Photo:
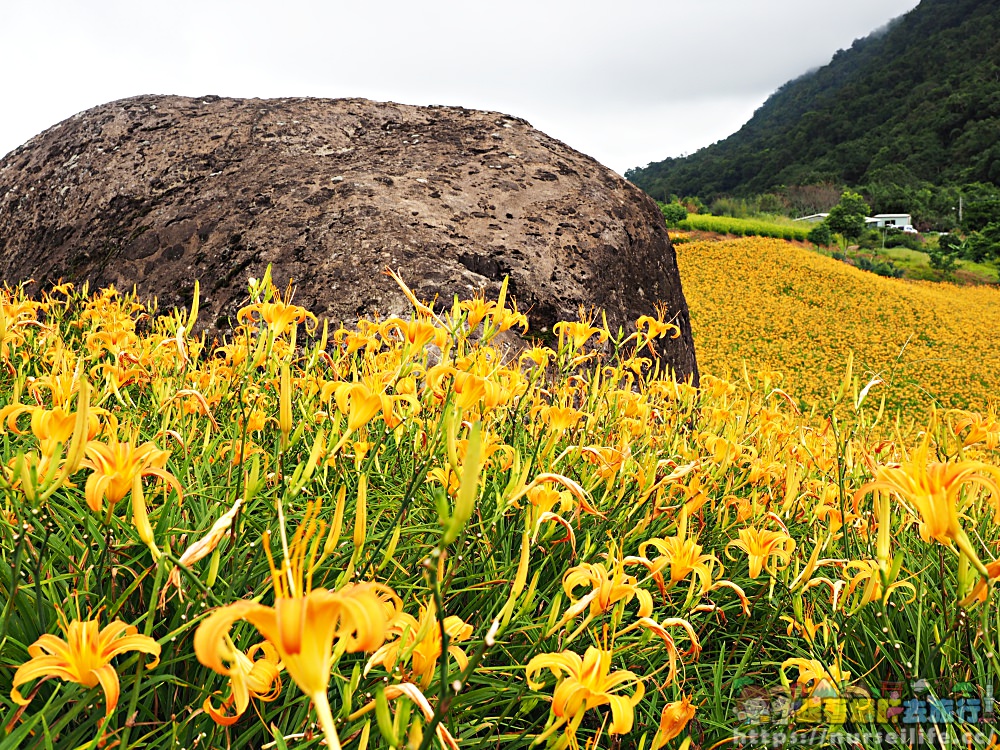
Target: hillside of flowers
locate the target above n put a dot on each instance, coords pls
(776, 305)
(407, 534)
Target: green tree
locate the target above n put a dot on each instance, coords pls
(673, 213)
(983, 246)
(950, 243)
(820, 234)
(944, 258)
(848, 216)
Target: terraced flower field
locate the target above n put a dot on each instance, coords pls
(775, 305)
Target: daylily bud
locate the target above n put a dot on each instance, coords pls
(468, 490)
(141, 519)
(361, 513)
(285, 405)
(338, 521)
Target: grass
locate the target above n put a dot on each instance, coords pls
(917, 265)
(447, 542)
(743, 227)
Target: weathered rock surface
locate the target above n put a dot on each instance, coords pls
(159, 190)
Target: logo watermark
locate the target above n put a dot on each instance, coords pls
(903, 715)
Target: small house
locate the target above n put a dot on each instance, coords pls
(892, 221)
(812, 218)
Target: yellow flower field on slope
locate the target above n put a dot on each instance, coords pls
(779, 306)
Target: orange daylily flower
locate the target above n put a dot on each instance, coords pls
(49, 426)
(84, 657)
(674, 718)
(870, 574)
(249, 677)
(477, 309)
(809, 629)
(561, 418)
(767, 550)
(540, 355)
(934, 489)
(417, 333)
(981, 591)
(982, 429)
(359, 403)
(609, 585)
(657, 327)
(420, 641)
(279, 316)
(815, 678)
(117, 464)
(578, 333)
(583, 683)
(118, 469)
(684, 556)
(304, 622)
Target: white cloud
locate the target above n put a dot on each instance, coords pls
(627, 82)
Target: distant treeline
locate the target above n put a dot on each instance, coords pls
(910, 115)
(949, 208)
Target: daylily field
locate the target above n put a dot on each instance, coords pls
(407, 535)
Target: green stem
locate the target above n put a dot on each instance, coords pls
(322, 705)
(15, 574)
(140, 667)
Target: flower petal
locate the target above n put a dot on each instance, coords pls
(209, 644)
(109, 682)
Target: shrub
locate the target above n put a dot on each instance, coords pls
(896, 238)
(943, 260)
(983, 246)
(878, 266)
(673, 213)
(820, 234)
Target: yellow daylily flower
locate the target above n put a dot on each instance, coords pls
(683, 555)
(609, 584)
(420, 641)
(809, 629)
(767, 550)
(304, 622)
(84, 657)
(584, 683)
(561, 418)
(117, 464)
(817, 679)
(279, 316)
(934, 489)
(249, 677)
(869, 573)
(578, 333)
(674, 718)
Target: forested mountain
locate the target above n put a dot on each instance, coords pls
(917, 102)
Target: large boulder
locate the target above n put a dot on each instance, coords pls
(157, 191)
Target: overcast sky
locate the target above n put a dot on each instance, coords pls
(626, 81)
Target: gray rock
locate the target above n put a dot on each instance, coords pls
(159, 190)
